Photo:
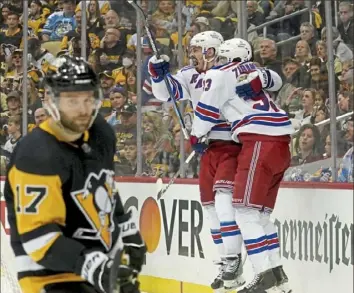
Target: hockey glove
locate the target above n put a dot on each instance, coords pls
(198, 144)
(134, 245)
(250, 87)
(158, 68)
(96, 268)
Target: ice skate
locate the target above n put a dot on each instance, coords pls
(232, 275)
(218, 284)
(262, 283)
(282, 279)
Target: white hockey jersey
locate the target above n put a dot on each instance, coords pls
(258, 115)
(187, 84)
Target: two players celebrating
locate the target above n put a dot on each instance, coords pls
(244, 141)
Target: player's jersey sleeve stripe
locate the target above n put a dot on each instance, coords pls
(39, 232)
(39, 254)
(39, 242)
(24, 264)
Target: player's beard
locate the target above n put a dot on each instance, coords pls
(75, 125)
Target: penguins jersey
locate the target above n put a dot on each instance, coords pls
(61, 200)
(187, 84)
(258, 115)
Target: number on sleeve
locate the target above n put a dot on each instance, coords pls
(37, 193)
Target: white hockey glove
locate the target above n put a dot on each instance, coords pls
(99, 270)
(158, 68)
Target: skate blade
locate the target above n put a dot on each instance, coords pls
(232, 285)
(284, 288)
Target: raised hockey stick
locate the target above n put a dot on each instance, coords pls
(159, 183)
(157, 54)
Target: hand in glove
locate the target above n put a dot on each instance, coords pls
(97, 268)
(250, 87)
(198, 144)
(134, 245)
(158, 68)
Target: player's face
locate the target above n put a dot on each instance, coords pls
(196, 57)
(76, 110)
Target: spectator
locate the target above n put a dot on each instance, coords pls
(347, 76)
(5, 10)
(35, 17)
(60, 23)
(127, 165)
(106, 82)
(268, 54)
(163, 17)
(127, 128)
(346, 168)
(303, 52)
(119, 98)
(307, 145)
(111, 50)
(303, 116)
(92, 34)
(129, 64)
(13, 33)
(14, 132)
(13, 104)
(321, 49)
(346, 25)
(255, 17)
(39, 57)
(345, 102)
(16, 68)
(40, 115)
(308, 34)
(341, 50)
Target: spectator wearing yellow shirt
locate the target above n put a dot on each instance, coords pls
(35, 18)
(128, 62)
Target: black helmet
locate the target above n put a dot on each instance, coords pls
(69, 74)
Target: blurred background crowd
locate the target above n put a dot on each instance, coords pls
(295, 47)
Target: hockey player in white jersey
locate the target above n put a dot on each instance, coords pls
(219, 159)
(215, 179)
(264, 131)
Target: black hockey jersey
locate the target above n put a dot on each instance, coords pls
(61, 200)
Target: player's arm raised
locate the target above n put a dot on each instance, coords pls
(254, 82)
(158, 68)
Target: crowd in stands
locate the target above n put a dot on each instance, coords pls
(55, 30)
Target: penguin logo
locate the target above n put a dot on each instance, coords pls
(97, 203)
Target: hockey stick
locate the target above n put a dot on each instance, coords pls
(157, 54)
(159, 183)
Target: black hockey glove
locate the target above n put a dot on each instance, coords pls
(134, 245)
(99, 270)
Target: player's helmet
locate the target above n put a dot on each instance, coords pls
(206, 40)
(71, 74)
(236, 48)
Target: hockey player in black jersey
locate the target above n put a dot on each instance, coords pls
(67, 220)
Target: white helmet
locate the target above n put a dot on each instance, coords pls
(206, 40)
(235, 48)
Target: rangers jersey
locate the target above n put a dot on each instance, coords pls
(187, 84)
(258, 115)
(61, 200)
